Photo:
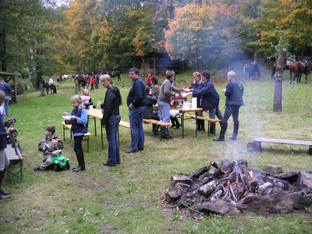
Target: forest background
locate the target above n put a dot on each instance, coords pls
(53, 37)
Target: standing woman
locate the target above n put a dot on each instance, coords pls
(111, 119)
(79, 119)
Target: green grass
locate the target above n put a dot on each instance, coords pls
(129, 198)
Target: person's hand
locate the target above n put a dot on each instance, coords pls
(8, 131)
(223, 90)
(177, 94)
(189, 94)
(131, 106)
(74, 117)
(65, 113)
(171, 103)
(54, 142)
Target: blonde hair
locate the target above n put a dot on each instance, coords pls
(85, 92)
(197, 74)
(106, 77)
(77, 99)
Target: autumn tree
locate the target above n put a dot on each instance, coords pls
(292, 17)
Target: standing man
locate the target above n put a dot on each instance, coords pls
(6, 88)
(196, 85)
(234, 100)
(164, 99)
(210, 98)
(136, 101)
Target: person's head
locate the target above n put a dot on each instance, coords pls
(133, 73)
(106, 80)
(76, 101)
(148, 90)
(154, 80)
(205, 75)
(85, 92)
(49, 130)
(149, 74)
(196, 76)
(231, 75)
(1, 79)
(170, 75)
(2, 97)
(246, 64)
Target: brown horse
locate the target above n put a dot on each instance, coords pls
(297, 67)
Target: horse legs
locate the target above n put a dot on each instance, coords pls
(306, 79)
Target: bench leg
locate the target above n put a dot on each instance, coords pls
(63, 132)
(18, 174)
(310, 150)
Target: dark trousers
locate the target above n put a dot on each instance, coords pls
(230, 110)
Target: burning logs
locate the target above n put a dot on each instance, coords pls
(231, 187)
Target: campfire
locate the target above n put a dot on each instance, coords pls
(234, 188)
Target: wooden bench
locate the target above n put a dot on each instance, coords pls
(204, 118)
(68, 126)
(124, 124)
(162, 124)
(13, 157)
(258, 141)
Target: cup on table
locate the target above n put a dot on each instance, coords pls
(90, 107)
(98, 104)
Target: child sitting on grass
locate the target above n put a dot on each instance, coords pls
(47, 145)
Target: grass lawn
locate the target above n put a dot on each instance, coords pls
(128, 198)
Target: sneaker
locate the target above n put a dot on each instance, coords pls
(37, 168)
(130, 151)
(218, 139)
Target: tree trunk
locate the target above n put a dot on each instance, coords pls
(42, 89)
(278, 80)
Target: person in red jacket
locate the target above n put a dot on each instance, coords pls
(92, 82)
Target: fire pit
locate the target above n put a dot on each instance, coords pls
(234, 188)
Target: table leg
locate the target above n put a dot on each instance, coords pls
(196, 123)
(182, 123)
(95, 125)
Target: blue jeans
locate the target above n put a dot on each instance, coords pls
(164, 111)
(111, 135)
(136, 127)
(164, 115)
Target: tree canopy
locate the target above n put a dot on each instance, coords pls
(40, 37)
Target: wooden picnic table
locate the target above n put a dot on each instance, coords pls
(97, 114)
(183, 111)
(187, 111)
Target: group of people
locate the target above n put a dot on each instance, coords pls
(49, 85)
(140, 101)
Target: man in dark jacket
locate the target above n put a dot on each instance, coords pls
(234, 100)
(149, 112)
(210, 98)
(136, 101)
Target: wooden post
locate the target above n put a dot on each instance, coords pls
(278, 80)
